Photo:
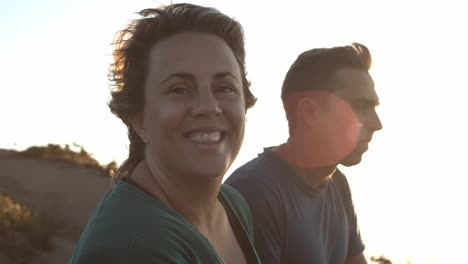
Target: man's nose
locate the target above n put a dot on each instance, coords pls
(374, 122)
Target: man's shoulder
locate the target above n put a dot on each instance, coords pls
(340, 179)
(263, 180)
(265, 168)
(341, 186)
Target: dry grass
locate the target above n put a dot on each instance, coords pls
(81, 157)
(23, 232)
(26, 235)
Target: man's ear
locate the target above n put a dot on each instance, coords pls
(308, 111)
(136, 121)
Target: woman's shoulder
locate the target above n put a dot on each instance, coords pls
(233, 197)
(126, 208)
(127, 246)
(126, 224)
(237, 204)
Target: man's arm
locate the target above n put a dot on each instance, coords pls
(359, 259)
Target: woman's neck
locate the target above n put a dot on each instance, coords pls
(195, 199)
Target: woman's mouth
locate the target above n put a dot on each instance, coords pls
(206, 137)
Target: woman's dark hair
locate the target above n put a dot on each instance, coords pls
(132, 47)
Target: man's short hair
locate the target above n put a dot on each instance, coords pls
(315, 68)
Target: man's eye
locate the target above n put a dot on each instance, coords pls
(358, 106)
(363, 107)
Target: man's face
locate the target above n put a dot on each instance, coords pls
(357, 89)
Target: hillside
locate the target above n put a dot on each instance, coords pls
(66, 193)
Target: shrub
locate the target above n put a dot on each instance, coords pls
(23, 232)
(56, 152)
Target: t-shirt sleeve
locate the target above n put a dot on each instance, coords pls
(356, 245)
(268, 221)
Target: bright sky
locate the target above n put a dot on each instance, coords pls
(409, 191)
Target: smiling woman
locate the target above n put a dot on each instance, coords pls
(181, 89)
(194, 110)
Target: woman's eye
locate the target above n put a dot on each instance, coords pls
(179, 89)
(226, 89)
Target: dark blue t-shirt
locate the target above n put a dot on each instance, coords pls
(294, 223)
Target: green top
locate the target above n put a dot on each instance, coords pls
(130, 226)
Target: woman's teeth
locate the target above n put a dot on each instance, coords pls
(205, 137)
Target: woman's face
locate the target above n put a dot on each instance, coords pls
(194, 114)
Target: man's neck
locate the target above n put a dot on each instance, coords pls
(315, 177)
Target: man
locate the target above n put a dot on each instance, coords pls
(301, 203)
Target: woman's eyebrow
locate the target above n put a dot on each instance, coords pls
(221, 75)
(182, 75)
(191, 77)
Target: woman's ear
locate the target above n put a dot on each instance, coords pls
(308, 111)
(136, 122)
